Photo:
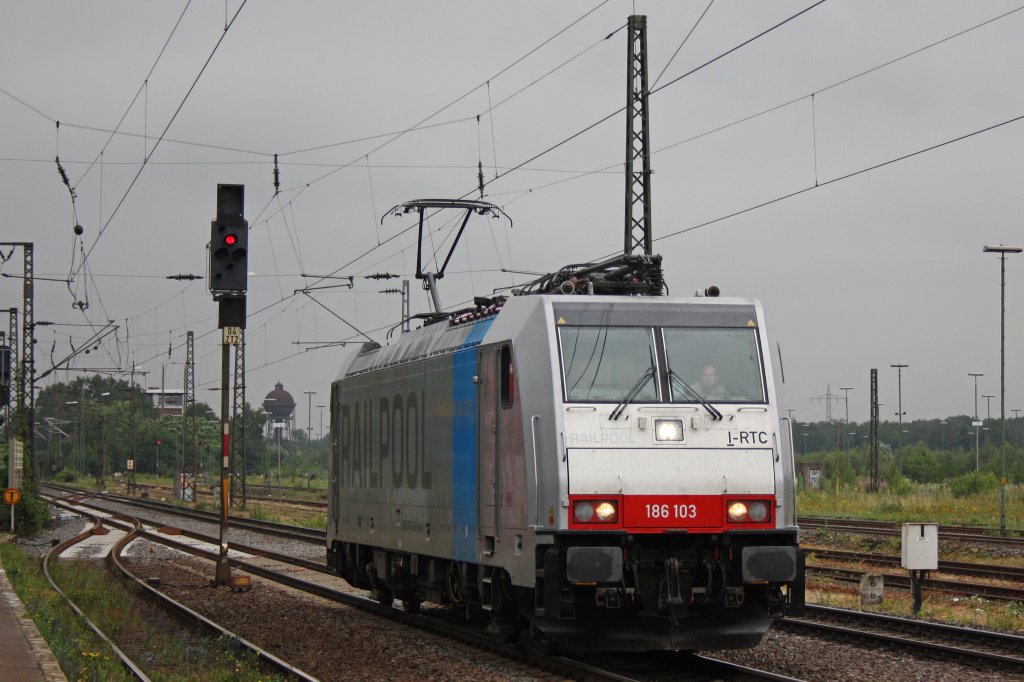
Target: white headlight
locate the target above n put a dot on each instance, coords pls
(758, 512)
(606, 511)
(583, 511)
(737, 511)
(668, 429)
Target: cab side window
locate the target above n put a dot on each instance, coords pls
(508, 378)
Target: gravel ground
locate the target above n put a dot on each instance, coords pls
(358, 646)
(811, 658)
(325, 639)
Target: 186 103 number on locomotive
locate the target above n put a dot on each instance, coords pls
(671, 511)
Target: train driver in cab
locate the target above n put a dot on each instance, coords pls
(709, 386)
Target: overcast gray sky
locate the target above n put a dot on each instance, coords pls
(864, 271)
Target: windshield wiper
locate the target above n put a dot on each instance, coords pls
(640, 383)
(715, 414)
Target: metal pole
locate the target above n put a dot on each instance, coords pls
(899, 408)
(223, 576)
(874, 430)
(322, 464)
(309, 415)
(1002, 250)
(977, 435)
(846, 401)
(1002, 391)
(638, 231)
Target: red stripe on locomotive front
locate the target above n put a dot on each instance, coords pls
(660, 513)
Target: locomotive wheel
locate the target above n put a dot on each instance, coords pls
(411, 605)
(384, 596)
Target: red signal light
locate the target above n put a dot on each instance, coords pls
(230, 239)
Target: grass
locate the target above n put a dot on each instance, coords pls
(972, 612)
(81, 654)
(287, 515)
(112, 605)
(925, 502)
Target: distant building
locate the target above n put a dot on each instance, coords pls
(280, 405)
(167, 401)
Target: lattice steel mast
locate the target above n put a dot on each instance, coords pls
(188, 431)
(638, 150)
(238, 492)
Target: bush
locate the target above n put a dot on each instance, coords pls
(973, 483)
(31, 515)
(899, 485)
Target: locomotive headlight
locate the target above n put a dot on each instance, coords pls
(595, 511)
(737, 511)
(754, 511)
(583, 511)
(668, 429)
(606, 512)
(758, 511)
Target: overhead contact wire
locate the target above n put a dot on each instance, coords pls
(120, 203)
(144, 85)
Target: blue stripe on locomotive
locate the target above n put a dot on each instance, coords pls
(464, 445)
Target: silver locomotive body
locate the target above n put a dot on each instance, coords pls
(563, 461)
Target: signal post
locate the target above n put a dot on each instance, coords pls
(229, 240)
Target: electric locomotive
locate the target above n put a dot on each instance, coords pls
(612, 470)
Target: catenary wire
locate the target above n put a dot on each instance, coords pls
(145, 81)
(120, 203)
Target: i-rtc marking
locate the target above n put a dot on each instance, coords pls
(747, 438)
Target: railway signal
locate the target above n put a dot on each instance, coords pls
(229, 263)
(229, 243)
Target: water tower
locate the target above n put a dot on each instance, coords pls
(280, 405)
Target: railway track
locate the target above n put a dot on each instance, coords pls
(887, 528)
(315, 535)
(982, 648)
(633, 667)
(256, 493)
(1011, 574)
(997, 592)
(139, 663)
(965, 568)
(447, 622)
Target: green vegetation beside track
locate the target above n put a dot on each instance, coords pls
(114, 607)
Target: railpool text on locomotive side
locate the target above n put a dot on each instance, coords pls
(382, 443)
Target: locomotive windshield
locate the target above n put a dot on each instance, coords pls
(615, 364)
(603, 364)
(720, 364)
